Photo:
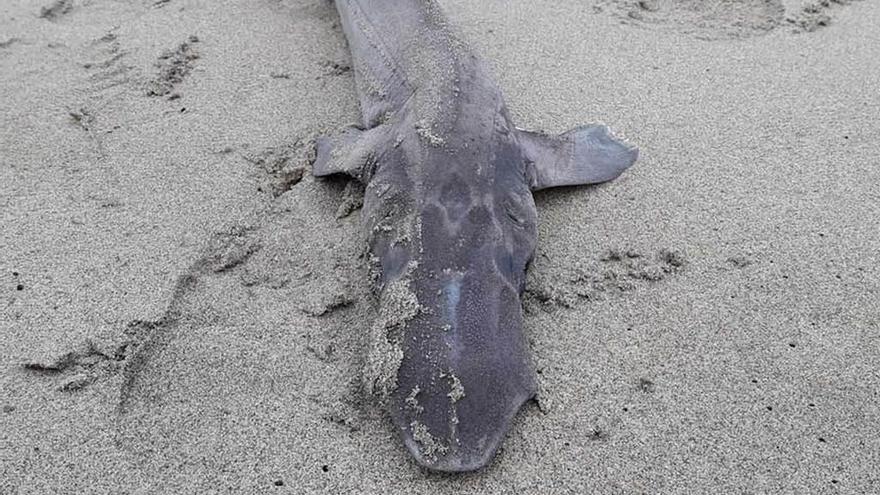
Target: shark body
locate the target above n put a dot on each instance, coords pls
(451, 225)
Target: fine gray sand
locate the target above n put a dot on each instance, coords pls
(185, 309)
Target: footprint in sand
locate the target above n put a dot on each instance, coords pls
(705, 19)
(723, 19)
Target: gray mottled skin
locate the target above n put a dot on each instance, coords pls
(451, 225)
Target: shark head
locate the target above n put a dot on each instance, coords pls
(461, 247)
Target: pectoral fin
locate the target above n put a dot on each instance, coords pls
(351, 151)
(584, 155)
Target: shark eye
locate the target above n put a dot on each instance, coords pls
(511, 215)
(514, 211)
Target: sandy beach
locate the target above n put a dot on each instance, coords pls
(185, 307)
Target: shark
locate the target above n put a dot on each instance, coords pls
(450, 225)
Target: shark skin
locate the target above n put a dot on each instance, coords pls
(450, 224)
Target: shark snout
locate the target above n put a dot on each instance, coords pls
(465, 373)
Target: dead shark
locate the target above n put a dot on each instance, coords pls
(450, 223)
